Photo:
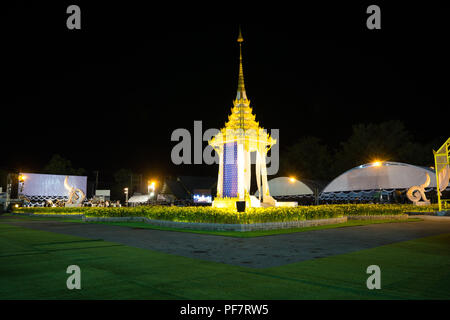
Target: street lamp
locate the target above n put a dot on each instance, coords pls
(378, 163)
(151, 188)
(22, 179)
(125, 190)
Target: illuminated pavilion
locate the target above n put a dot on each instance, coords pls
(234, 143)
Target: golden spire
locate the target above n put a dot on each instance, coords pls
(240, 39)
(241, 94)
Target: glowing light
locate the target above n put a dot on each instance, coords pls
(202, 198)
(151, 186)
(291, 179)
(376, 163)
(227, 202)
(22, 177)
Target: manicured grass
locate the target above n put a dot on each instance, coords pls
(14, 217)
(33, 266)
(251, 234)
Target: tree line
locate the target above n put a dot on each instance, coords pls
(311, 158)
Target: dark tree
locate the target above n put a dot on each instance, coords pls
(308, 158)
(60, 165)
(387, 141)
(122, 179)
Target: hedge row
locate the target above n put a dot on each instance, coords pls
(253, 215)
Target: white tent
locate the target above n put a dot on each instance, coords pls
(141, 198)
(381, 176)
(285, 186)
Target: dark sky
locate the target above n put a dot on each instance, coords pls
(109, 96)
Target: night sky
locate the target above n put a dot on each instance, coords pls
(109, 96)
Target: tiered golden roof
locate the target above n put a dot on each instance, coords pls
(241, 116)
(241, 125)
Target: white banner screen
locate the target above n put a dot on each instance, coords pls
(52, 185)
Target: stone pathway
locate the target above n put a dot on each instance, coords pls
(258, 252)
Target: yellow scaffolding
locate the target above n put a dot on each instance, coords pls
(441, 160)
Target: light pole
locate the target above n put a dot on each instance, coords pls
(125, 190)
(151, 188)
(378, 163)
(8, 190)
(96, 181)
(21, 182)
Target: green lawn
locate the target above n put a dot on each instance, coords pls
(14, 217)
(33, 266)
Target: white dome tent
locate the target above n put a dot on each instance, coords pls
(287, 187)
(365, 181)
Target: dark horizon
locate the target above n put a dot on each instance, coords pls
(109, 95)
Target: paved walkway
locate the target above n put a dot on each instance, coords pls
(258, 252)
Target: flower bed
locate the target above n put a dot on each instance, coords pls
(252, 215)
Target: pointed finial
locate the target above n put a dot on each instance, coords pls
(240, 38)
(241, 94)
